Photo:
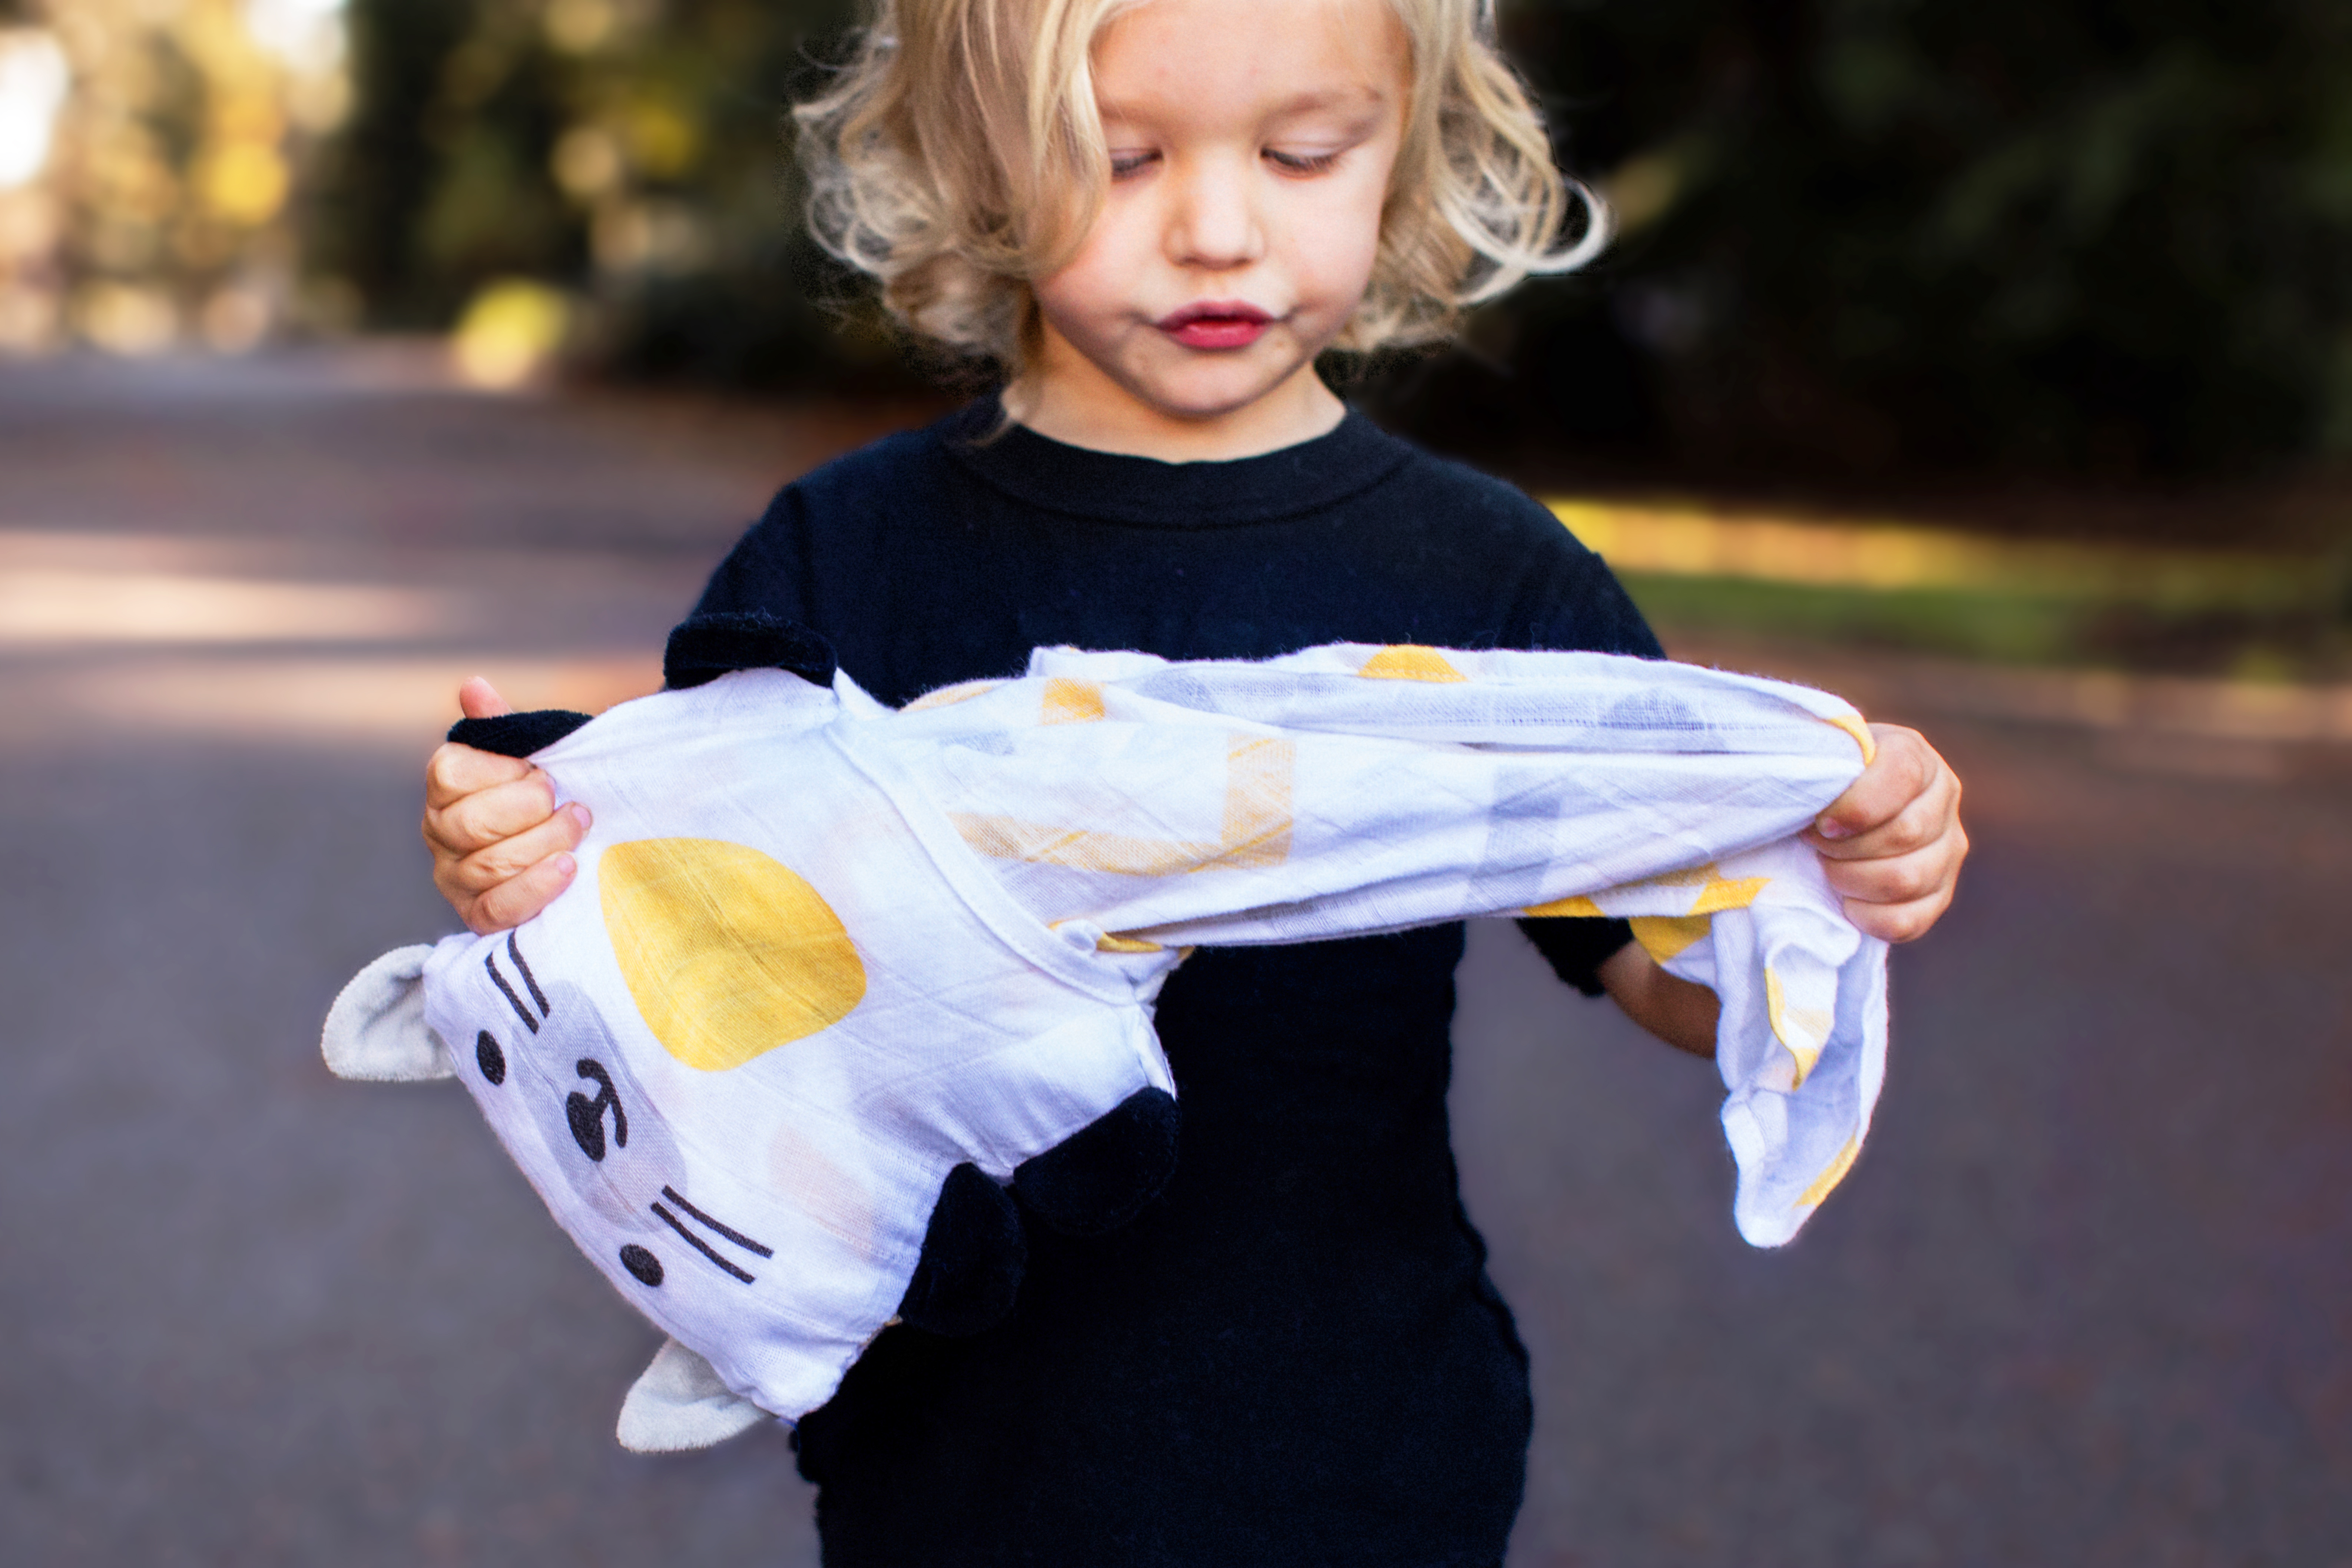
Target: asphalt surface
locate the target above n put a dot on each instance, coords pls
(2087, 1299)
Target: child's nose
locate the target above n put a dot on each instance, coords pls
(1215, 222)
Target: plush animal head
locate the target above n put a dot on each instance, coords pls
(661, 993)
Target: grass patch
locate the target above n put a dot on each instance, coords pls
(2288, 642)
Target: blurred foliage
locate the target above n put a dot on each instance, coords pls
(2102, 236)
(2010, 625)
(155, 209)
(633, 149)
(2111, 236)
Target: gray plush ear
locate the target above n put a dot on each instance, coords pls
(375, 1031)
(679, 1402)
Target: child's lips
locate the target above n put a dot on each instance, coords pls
(1216, 324)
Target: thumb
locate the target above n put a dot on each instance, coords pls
(1844, 817)
(478, 699)
(1901, 769)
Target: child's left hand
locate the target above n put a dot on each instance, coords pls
(1893, 843)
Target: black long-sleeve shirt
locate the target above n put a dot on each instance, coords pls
(1295, 1355)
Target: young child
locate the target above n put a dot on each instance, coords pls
(1153, 216)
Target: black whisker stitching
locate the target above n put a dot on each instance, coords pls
(700, 1245)
(730, 1231)
(527, 979)
(490, 963)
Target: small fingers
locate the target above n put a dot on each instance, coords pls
(455, 772)
(491, 816)
(1894, 879)
(1912, 804)
(1899, 923)
(1892, 844)
(1900, 898)
(521, 896)
(503, 859)
(1921, 821)
(1903, 768)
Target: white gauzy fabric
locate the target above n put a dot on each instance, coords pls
(820, 952)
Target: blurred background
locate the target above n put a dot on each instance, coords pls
(1989, 362)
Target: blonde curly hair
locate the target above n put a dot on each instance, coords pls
(959, 154)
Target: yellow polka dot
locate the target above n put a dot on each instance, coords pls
(1410, 661)
(1578, 907)
(948, 695)
(1664, 936)
(1826, 1183)
(727, 953)
(1803, 1030)
(1069, 702)
(1728, 895)
(1115, 943)
(1258, 773)
(1072, 701)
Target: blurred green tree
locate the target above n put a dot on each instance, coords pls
(2105, 236)
(381, 175)
(634, 151)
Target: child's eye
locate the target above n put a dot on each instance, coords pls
(1300, 162)
(1125, 164)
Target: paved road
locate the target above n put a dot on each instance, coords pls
(2087, 1299)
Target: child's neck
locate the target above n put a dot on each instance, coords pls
(1080, 406)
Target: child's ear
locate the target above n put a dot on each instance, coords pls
(705, 647)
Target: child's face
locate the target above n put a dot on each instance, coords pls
(1251, 146)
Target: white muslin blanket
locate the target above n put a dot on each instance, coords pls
(820, 952)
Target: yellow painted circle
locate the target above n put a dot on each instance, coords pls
(727, 953)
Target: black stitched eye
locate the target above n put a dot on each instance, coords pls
(489, 1058)
(642, 1264)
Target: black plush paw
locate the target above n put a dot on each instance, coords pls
(1101, 1178)
(517, 734)
(973, 1250)
(973, 1256)
(705, 647)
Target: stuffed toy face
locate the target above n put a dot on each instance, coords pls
(844, 998)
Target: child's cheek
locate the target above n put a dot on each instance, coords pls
(1338, 242)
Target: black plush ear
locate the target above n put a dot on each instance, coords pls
(1103, 1177)
(705, 647)
(973, 1258)
(517, 734)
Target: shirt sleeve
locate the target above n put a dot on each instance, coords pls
(1576, 946)
(763, 572)
(1353, 789)
(1139, 807)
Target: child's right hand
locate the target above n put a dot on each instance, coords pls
(501, 849)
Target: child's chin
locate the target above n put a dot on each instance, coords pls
(1213, 391)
